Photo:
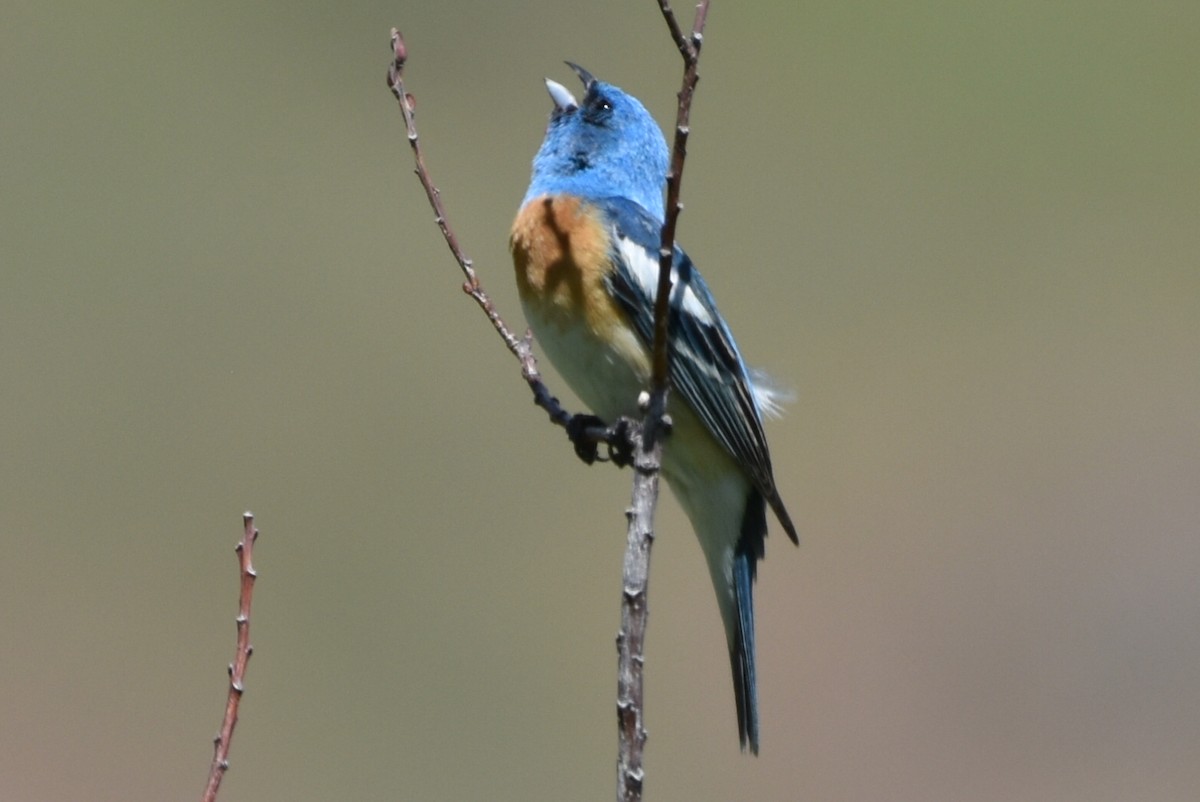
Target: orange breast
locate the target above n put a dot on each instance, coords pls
(561, 255)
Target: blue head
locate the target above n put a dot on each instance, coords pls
(603, 146)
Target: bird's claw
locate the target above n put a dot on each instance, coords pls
(587, 432)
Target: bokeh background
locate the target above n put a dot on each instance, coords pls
(966, 234)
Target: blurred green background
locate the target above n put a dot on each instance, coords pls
(967, 234)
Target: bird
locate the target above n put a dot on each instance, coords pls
(585, 245)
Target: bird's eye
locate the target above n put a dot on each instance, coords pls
(598, 110)
(600, 103)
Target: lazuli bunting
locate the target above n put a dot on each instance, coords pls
(585, 247)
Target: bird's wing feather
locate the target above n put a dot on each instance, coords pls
(706, 367)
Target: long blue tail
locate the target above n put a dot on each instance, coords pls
(749, 551)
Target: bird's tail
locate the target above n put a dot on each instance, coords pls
(749, 551)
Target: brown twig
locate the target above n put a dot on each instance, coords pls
(690, 50)
(521, 347)
(237, 669)
(631, 637)
(631, 739)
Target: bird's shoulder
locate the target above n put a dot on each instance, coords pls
(636, 241)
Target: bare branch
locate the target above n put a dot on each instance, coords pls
(690, 50)
(521, 347)
(648, 451)
(631, 637)
(237, 669)
(408, 106)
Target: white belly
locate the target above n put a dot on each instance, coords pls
(607, 376)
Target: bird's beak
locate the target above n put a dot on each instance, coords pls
(585, 76)
(564, 101)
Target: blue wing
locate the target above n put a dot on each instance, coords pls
(706, 367)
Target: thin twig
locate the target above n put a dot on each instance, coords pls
(631, 738)
(631, 637)
(690, 50)
(237, 669)
(521, 347)
(408, 106)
